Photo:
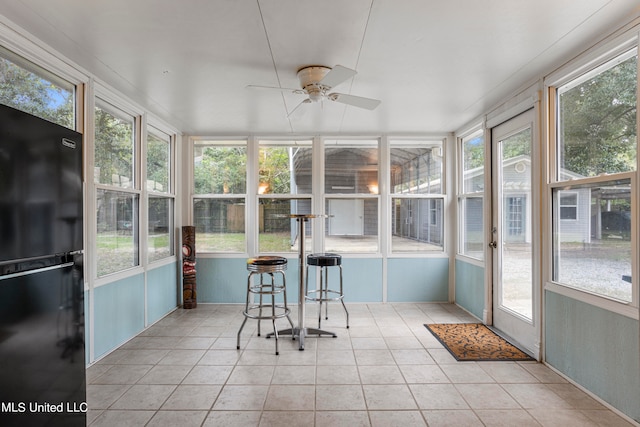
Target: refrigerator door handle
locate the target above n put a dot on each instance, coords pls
(36, 270)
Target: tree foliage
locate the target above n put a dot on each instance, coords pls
(275, 170)
(220, 170)
(114, 150)
(28, 92)
(158, 156)
(598, 122)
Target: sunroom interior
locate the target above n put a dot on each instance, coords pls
(498, 174)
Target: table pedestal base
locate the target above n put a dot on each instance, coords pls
(301, 333)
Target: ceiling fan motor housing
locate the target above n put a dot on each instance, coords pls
(309, 78)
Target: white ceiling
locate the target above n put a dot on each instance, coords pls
(434, 64)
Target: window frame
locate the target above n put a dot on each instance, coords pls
(243, 197)
(373, 194)
(431, 197)
(120, 110)
(32, 67)
(169, 194)
(582, 69)
(463, 196)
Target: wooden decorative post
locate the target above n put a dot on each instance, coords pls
(189, 299)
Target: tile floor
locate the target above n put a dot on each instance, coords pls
(385, 370)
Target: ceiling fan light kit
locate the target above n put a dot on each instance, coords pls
(316, 81)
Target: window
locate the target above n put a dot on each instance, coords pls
(30, 88)
(597, 120)
(592, 193)
(351, 183)
(568, 205)
(160, 195)
(416, 170)
(117, 196)
(594, 253)
(220, 182)
(284, 188)
(471, 195)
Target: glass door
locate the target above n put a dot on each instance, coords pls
(514, 290)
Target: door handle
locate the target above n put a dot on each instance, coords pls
(493, 244)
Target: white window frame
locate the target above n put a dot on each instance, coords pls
(118, 107)
(584, 67)
(170, 137)
(462, 196)
(248, 143)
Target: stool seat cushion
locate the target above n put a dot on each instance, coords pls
(267, 260)
(324, 260)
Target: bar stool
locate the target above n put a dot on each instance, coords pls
(266, 265)
(323, 293)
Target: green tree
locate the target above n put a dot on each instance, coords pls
(220, 170)
(158, 162)
(598, 122)
(275, 169)
(28, 92)
(113, 148)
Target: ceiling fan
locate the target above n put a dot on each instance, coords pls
(317, 81)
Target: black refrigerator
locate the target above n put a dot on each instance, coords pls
(42, 349)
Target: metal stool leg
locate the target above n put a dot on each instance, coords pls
(286, 308)
(320, 299)
(246, 310)
(326, 292)
(342, 297)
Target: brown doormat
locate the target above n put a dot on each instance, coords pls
(475, 342)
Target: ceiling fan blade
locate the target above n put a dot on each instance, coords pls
(297, 112)
(281, 89)
(337, 75)
(356, 101)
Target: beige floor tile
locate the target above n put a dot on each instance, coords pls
(337, 375)
(102, 396)
(533, 396)
(233, 419)
(342, 418)
(339, 398)
(290, 398)
(251, 375)
(506, 418)
(241, 397)
(374, 357)
(380, 375)
(177, 418)
(453, 418)
(336, 357)
(123, 374)
(466, 372)
(220, 357)
(396, 419)
(208, 375)
(387, 369)
(287, 418)
(144, 397)
(192, 397)
(290, 374)
(388, 397)
(112, 418)
(508, 372)
(423, 374)
(166, 374)
(561, 418)
(182, 357)
(412, 357)
(486, 396)
(438, 396)
(367, 343)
